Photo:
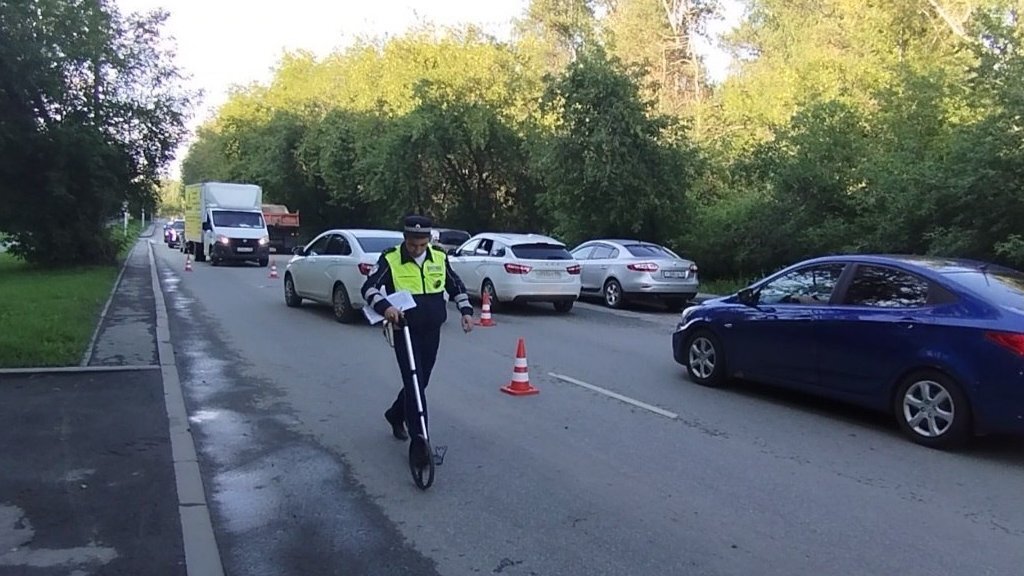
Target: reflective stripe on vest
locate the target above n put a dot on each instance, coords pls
(409, 276)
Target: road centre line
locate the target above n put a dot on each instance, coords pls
(615, 395)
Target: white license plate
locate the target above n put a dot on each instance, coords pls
(548, 274)
(675, 274)
(243, 249)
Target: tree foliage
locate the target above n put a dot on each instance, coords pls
(91, 112)
(847, 126)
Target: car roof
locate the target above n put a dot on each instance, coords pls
(622, 242)
(370, 232)
(513, 238)
(936, 264)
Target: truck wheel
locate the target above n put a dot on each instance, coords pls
(264, 262)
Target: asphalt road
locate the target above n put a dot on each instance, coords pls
(287, 408)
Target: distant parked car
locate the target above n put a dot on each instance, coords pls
(518, 268)
(937, 342)
(624, 270)
(331, 269)
(173, 232)
(447, 239)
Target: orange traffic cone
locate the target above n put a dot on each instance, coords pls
(485, 312)
(520, 384)
(188, 263)
(273, 269)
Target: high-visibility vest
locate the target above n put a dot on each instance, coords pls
(430, 279)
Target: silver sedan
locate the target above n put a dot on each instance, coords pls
(623, 270)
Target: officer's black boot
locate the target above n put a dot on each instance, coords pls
(397, 426)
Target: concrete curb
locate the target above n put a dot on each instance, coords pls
(78, 369)
(202, 556)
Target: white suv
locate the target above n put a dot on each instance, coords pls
(518, 268)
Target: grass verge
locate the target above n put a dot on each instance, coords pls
(48, 315)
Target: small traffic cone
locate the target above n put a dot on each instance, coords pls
(273, 269)
(485, 312)
(520, 384)
(188, 263)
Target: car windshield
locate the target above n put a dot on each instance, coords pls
(377, 244)
(236, 219)
(541, 251)
(1003, 286)
(648, 251)
(179, 225)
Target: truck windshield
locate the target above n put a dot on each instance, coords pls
(233, 219)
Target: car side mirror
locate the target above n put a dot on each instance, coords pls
(298, 250)
(453, 252)
(747, 296)
(206, 226)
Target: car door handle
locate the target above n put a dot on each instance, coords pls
(605, 267)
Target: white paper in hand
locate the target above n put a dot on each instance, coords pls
(402, 300)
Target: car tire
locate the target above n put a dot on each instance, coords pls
(264, 262)
(563, 306)
(488, 288)
(612, 293)
(341, 305)
(291, 297)
(705, 358)
(932, 410)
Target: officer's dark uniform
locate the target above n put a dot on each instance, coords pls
(396, 270)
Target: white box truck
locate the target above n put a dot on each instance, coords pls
(224, 221)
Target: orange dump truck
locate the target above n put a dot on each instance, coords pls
(283, 227)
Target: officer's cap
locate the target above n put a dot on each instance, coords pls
(418, 225)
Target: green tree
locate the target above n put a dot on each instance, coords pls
(91, 114)
(611, 167)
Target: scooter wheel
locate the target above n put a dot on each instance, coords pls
(422, 474)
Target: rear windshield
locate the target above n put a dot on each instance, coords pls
(541, 251)
(232, 219)
(1004, 286)
(454, 237)
(377, 244)
(648, 251)
(179, 225)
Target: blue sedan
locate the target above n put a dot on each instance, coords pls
(937, 342)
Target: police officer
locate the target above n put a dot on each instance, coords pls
(424, 271)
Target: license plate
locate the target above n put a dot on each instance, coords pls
(547, 274)
(669, 274)
(243, 249)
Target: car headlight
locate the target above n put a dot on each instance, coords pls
(687, 312)
(265, 240)
(224, 240)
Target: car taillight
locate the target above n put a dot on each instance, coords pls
(365, 268)
(643, 267)
(574, 269)
(1012, 341)
(517, 268)
(693, 267)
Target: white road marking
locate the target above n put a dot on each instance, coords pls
(615, 395)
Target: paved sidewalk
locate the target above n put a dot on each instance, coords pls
(87, 473)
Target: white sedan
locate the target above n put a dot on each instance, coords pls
(332, 268)
(518, 268)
